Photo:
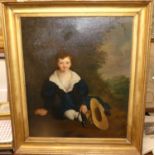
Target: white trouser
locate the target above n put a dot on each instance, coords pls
(72, 114)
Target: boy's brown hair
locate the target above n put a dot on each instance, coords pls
(63, 54)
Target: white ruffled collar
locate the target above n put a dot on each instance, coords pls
(74, 79)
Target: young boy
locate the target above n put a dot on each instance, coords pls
(65, 93)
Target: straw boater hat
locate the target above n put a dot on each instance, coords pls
(98, 116)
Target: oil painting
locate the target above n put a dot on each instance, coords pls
(77, 73)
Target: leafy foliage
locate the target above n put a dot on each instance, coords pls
(119, 87)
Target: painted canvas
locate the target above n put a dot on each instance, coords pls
(77, 72)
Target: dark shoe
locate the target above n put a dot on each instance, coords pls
(84, 119)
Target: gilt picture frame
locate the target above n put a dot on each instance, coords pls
(17, 15)
(1, 33)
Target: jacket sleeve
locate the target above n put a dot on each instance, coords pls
(47, 92)
(80, 92)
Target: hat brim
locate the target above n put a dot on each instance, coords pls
(103, 123)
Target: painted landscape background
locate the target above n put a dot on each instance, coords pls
(101, 49)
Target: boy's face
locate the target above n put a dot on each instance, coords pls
(64, 64)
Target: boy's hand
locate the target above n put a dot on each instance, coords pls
(83, 108)
(41, 112)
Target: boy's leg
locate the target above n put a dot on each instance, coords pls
(72, 114)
